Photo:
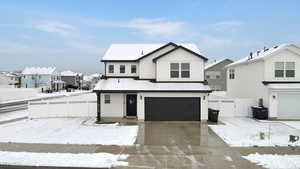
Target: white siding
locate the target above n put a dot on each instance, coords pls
(247, 83)
(141, 102)
(147, 67)
(283, 56)
(116, 108)
(117, 69)
(180, 56)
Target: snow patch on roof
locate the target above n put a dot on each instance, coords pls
(262, 54)
(214, 63)
(136, 51)
(284, 86)
(38, 70)
(68, 73)
(127, 84)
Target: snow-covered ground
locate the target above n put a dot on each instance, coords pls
(245, 132)
(67, 131)
(275, 161)
(62, 159)
(13, 115)
(294, 124)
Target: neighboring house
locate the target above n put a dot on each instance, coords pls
(153, 82)
(10, 79)
(46, 78)
(271, 74)
(90, 81)
(71, 79)
(216, 75)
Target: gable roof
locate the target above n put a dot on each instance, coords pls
(262, 54)
(68, 73)
(134, 52)
(216, 63)
(38, 70)
(180, 47)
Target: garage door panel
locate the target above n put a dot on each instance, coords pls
(172, 109)
(289, 106)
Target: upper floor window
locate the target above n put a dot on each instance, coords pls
(174, 70)
(290, 69)
(279, 69)
(231, 73)
(213, 75)
(133, 68)
(122, 68)
(110, 68)
(284, 69)
(185, 70)
(107, 99)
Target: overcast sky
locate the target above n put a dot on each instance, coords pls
(73, 35)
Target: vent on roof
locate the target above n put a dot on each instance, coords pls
(142, 53)
(265, 49)
(250, 56)
(257, 53)
(275, 47)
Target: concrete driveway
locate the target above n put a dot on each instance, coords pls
(180, 145)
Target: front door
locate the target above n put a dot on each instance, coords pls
(131, 100)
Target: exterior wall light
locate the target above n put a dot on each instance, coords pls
(274, 97)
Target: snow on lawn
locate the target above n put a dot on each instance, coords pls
(275, 161)
(294, 124)
(245, 132)
(62, 159)
(67, 131)
(13, 115)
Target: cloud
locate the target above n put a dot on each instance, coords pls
(226, 25)
(157, 27)
(55, 27)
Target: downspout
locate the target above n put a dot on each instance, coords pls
(98, 106)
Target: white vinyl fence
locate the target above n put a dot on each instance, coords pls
(44, 109)
(232, 107)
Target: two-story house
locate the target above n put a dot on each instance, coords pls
(272, 75)
(71, 79)
(153, 82)
(216, 74)
(46, 78)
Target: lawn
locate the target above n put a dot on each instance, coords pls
(67, 131)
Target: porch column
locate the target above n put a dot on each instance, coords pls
(98, 106)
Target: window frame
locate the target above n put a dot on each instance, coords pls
(121, 69)
(133, 67)
(282, 70)
(107, 100)
(111, 68)
(174, 70)
(289, 69)
(185, 70)
(231, 74)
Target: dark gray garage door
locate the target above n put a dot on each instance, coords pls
(172, 108)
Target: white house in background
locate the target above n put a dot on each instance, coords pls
(90, 81)
(71, 79)
(153, 82)
(46, 78)
(271, 74)
(10, 79)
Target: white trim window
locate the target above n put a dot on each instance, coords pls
(279, 69)
(122, 68)
(185, 70)
(231, 74)
(174, 70)
(133, 68)
(110, 68)
(107, 99)
(289, 69)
